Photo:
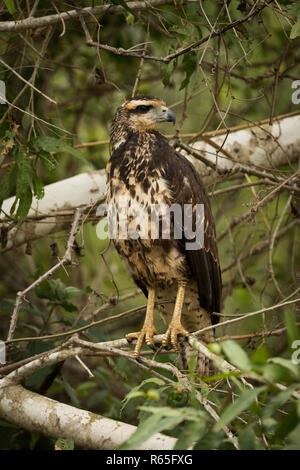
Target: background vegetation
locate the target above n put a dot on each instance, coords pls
(62, 92)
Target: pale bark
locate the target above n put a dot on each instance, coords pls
(33, 23)
(59, 203)
(260, 148)
(267, 147)
(43, 415)
(39, 414)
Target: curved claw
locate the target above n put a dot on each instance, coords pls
(144, 336)
(173, 332)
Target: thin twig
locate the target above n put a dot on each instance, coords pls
(139, 72)
(272, 242)
(245, 315)
(65, 260)
(26, 81)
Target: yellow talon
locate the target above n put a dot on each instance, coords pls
(171, 335)
(175, 328)
(148, 331)
(145, 335)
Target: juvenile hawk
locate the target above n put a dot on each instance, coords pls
(145, 170)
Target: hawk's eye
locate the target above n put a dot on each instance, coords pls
(142, 108)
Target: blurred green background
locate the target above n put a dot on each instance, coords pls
(237, 75)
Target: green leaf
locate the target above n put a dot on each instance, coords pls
(293, 439)
(236, 355)
(287, 424)
(189, 65)
(168, 72)
(68, 306)
(210, 440)
(275, 373)
(293, 9)
(71, 291)
(153, 394)
(276, 402)
(192, 363)
(48, 160)
(286, 363)
(135, 392)
(186, 413)
(261, 355)
(38, 186)
(38, 376)
(8, 183)
(239, 405)
(295, 31)
(97, 399)
(177, 398)
(24, 204)
(84, 387)
(64, 443)
(152, 425)
(247, 437)
(23, 183)
(52, 144)
(71, 393)
(24, 167)
(36, 347)
(192, 432)
(56, 291)
(10, 5)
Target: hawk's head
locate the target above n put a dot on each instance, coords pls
(145, 112)
(139, 114)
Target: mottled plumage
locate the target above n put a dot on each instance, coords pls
(144, 169)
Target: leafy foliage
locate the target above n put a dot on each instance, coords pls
(235, 85)
(262, 415)
(64, 444)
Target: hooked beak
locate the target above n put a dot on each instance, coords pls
(167, 116)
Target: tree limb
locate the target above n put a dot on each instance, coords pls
(88, 430)
(255, 150)
(33, 23)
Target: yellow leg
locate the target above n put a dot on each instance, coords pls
(148, 331)
(175, 328)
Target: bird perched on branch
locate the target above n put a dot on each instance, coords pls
(145, 171)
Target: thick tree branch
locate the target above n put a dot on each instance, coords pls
(79, 190)
(89, 431)
(33, 23)
(120, 51)
(80, 347)
(253, 150)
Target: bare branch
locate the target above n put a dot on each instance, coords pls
(33, 23)
(246, 315)
(65, 260)
(54, 419)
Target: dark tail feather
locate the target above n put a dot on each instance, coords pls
(202, 362)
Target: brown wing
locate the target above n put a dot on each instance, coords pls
(187, 187)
